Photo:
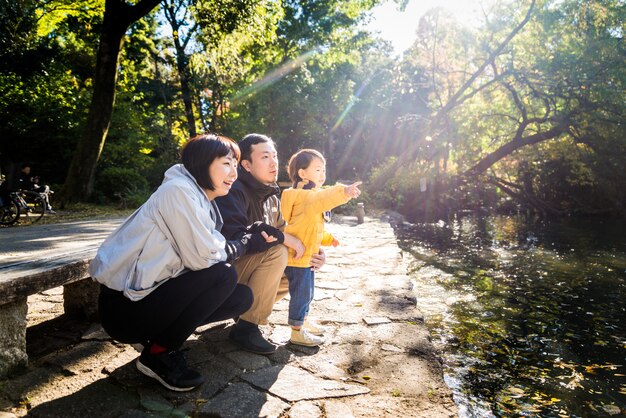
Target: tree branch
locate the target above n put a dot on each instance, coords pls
(454, 101)
(512, 146)
(141, 9)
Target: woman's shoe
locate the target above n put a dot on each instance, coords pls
(170, 369)
(303, 337)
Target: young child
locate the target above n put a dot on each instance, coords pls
(303, 206)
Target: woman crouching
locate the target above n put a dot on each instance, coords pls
(164, 272)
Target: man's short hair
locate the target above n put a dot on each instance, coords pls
(245, 145)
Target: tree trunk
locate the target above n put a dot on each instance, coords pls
(118, 16)
(182, 63)
(185, 88)
(508, 148)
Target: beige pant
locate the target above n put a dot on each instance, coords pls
(262, 272)
(283, 288)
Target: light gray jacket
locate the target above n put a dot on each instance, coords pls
(176, 230)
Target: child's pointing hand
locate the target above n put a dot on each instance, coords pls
(353, 189)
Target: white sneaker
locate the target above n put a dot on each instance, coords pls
(313, 327)
(303, 337)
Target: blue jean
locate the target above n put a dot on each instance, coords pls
(301, 288)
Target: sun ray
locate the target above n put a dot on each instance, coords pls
(350, 105)
(272, 77)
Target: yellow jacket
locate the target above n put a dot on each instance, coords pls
(303, 210)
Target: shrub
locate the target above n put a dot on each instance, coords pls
(123, 186)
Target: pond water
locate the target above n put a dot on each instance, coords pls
(530, 316)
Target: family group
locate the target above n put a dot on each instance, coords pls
(217, 241)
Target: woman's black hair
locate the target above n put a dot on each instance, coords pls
(200, 151)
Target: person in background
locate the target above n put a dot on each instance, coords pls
(165, 271)
(26, 182)
(303, 208)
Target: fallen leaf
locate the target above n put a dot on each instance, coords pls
(611, 409)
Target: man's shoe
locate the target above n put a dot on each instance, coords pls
(303, 337)
(50, 212)
(248, 336)
(170, 369)
(313, 327)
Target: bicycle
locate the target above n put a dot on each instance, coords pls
(19, 203)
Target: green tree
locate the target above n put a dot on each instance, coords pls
(204, 33)
(45, 75)
(118, 16)
(501, 94)
(304, 80)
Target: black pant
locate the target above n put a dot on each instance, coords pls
(169, 314)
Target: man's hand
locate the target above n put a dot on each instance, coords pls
(295, 244)
(268, 238)
(266, 231)
(318, 260)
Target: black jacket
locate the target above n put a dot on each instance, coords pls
(25, 181)
(249, 201)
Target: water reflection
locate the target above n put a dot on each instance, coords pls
(530, 314)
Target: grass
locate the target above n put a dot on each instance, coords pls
(79, 212)
(86, 211)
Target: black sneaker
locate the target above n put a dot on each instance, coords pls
(248, 336)
(169, 368)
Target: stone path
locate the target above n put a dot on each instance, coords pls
(377, 360)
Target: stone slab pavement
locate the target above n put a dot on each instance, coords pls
(377, 360)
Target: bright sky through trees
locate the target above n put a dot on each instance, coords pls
(399, 27)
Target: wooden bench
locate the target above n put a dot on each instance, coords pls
(41, 257)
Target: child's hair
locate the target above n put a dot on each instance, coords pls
(301, 160)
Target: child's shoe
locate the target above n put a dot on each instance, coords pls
(303, 337)
(313, 327)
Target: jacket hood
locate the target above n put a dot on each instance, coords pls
(304, 184)
(177, 171)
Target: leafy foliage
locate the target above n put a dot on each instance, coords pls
(546, 90)
(539, 126)
(123, 186)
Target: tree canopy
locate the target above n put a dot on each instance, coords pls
(525, 110)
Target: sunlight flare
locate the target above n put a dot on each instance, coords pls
(273, 76)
